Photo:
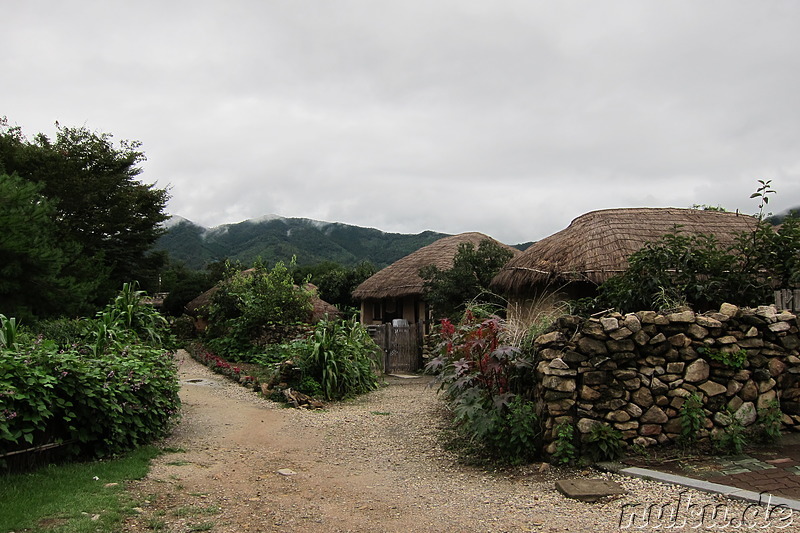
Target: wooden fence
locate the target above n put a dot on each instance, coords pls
(788, 299)
(401, 345)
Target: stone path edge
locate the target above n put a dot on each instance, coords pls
(706, 486)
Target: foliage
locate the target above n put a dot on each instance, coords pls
(73, 494)
(735, 360)
(769, 423)
(341, 357)
(104, 387)
(184, 285)
(605, 443)
(733, 438)
(690, 268)
(9, 330)
(335, 282)
(697, 270)
(35, 278)
(449, 291)
(103, 404)
(565, 450)
(256, 307)
(485, 382)
(692, 419)
(106, 220)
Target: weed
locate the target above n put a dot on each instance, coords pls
(734, 437)
(692, 417)
(769, 423)
(606, 443)
(565, 451)
(735, 360)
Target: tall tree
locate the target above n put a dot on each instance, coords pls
(448, 291)
(98, 204)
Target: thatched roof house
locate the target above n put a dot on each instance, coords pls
(395, 292)
(596, 246)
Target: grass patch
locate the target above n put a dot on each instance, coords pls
(66, 498)
(381, 413)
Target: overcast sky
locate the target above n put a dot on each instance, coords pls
(506, 117)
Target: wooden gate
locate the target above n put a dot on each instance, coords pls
(787, 299)
(401, 345)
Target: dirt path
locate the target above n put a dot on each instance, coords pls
(373, 464)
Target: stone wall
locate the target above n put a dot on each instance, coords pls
(635, 371)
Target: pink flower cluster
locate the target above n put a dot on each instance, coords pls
(221, 366)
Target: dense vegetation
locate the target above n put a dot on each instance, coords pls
(254, 308)
(99, 386)
(76, 222)
(696, 270)
(450, 291)
(487, 378)
(280, 239)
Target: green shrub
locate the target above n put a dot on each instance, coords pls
(565, 450)
(255, 308)
(769, 423)
(604, 443)
(65, 332)
(341, 357)
(104, 405)
(103, 387)
(692, 419)
(733, 438)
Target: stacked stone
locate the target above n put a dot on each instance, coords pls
(635, 371)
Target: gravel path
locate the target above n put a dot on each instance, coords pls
(370, 465)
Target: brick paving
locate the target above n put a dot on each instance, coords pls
(774, 470)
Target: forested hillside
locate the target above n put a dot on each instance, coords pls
(279, 239)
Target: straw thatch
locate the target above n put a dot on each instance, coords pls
(401, 278)
(596, 245)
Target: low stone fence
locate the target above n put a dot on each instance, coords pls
(635, 371)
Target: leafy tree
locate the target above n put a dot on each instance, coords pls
(183, 286)
(256, 307)
(98, 204)
(335, 282)
(447, 291)
(32, 260)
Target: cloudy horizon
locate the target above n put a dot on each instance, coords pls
(510, 118)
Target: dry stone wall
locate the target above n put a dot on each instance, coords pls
(635, 371)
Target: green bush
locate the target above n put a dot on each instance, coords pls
(341, 357)
(485, 382)
(103, 404)
(565, 450)
(604, 443)
(103, 386)
(255, 308)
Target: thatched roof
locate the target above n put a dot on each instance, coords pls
(596, 245)
(401, 278)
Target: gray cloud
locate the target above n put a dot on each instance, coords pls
(509, 118)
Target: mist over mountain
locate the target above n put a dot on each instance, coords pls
(274, 238)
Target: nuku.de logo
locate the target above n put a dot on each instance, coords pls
(692, 515)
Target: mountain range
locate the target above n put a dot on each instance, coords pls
(273, 238)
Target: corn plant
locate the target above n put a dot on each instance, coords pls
(340, 356)
(9, 329)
